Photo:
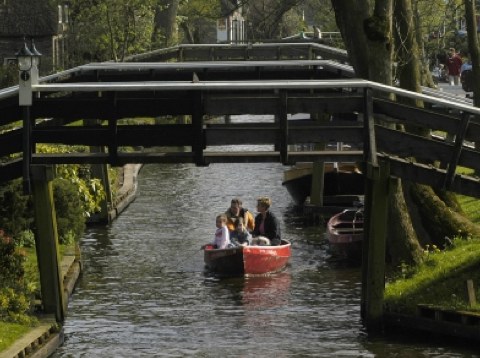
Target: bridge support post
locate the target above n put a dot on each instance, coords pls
(374, 245)
(100, 171)
(46, 242)
(318, 170)
(318, 178)
(283, 118)
(198, 144)
(27, 149)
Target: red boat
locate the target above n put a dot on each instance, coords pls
(345, 233)
(247, 260)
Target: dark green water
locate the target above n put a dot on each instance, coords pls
(144, 293)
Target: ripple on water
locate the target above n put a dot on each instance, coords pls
(143, 292)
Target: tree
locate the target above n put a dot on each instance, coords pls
(110, 29)
(474, 50)
(197, 19)
(367, 32)
(266, 18)
(165, 31)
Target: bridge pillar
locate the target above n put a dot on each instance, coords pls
(318, 169)
(318, 178)
(46, 242)
(374, 245)
(100, 171)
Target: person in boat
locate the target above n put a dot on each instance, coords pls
(240, 236)
(236, 211)
(222, 235)
(266, 224)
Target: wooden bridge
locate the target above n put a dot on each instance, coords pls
(224, 80)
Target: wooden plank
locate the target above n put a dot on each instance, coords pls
(421, 117)
(472, 300)
(282, 115)
(46, 242)
(373, 263)
(369, 139)
(457, 148)
(402, 144)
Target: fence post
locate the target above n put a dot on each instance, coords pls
(46, 242)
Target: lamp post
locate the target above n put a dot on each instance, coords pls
(235, 30)
(35, 62)
(25, 64)
(28, 60)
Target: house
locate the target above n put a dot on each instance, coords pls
(231, 26)
(46, 24)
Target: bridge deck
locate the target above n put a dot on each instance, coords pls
(336, 108)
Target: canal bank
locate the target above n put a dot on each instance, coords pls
(47, 336)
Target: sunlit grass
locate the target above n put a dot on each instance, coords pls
(10, 332)
(440, 280)
(471, 207)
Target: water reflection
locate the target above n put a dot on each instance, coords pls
(265, 292)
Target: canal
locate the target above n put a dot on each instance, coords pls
(144, 292)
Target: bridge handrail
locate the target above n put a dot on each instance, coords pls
(248, 85)
(178, 48)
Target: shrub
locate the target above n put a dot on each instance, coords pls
(69, 209)
(16, 209)
(15, 303)
(11, 262)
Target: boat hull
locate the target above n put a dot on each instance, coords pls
(298, 181)
(247, 260)
(344, 234)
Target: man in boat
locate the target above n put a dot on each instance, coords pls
(235, 212)
(266, 224)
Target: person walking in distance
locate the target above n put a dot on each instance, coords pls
(454, 63)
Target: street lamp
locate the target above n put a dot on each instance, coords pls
(28, 60)
(25, 62)
(35, 55)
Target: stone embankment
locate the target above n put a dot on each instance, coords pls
(44, 339)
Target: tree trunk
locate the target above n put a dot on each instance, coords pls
(165, 23)
(349, 15)
(473, 48)
(415, 209)
(425, 74)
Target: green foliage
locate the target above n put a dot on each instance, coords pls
(16, 209)
(110, 29)
(25, 238)
(15, 297)
(90, 191)
(69, 209)
(11, 262)
(471, 207)
(8, 76)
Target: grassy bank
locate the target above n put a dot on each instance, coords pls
(10, 332)
(441, 279)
